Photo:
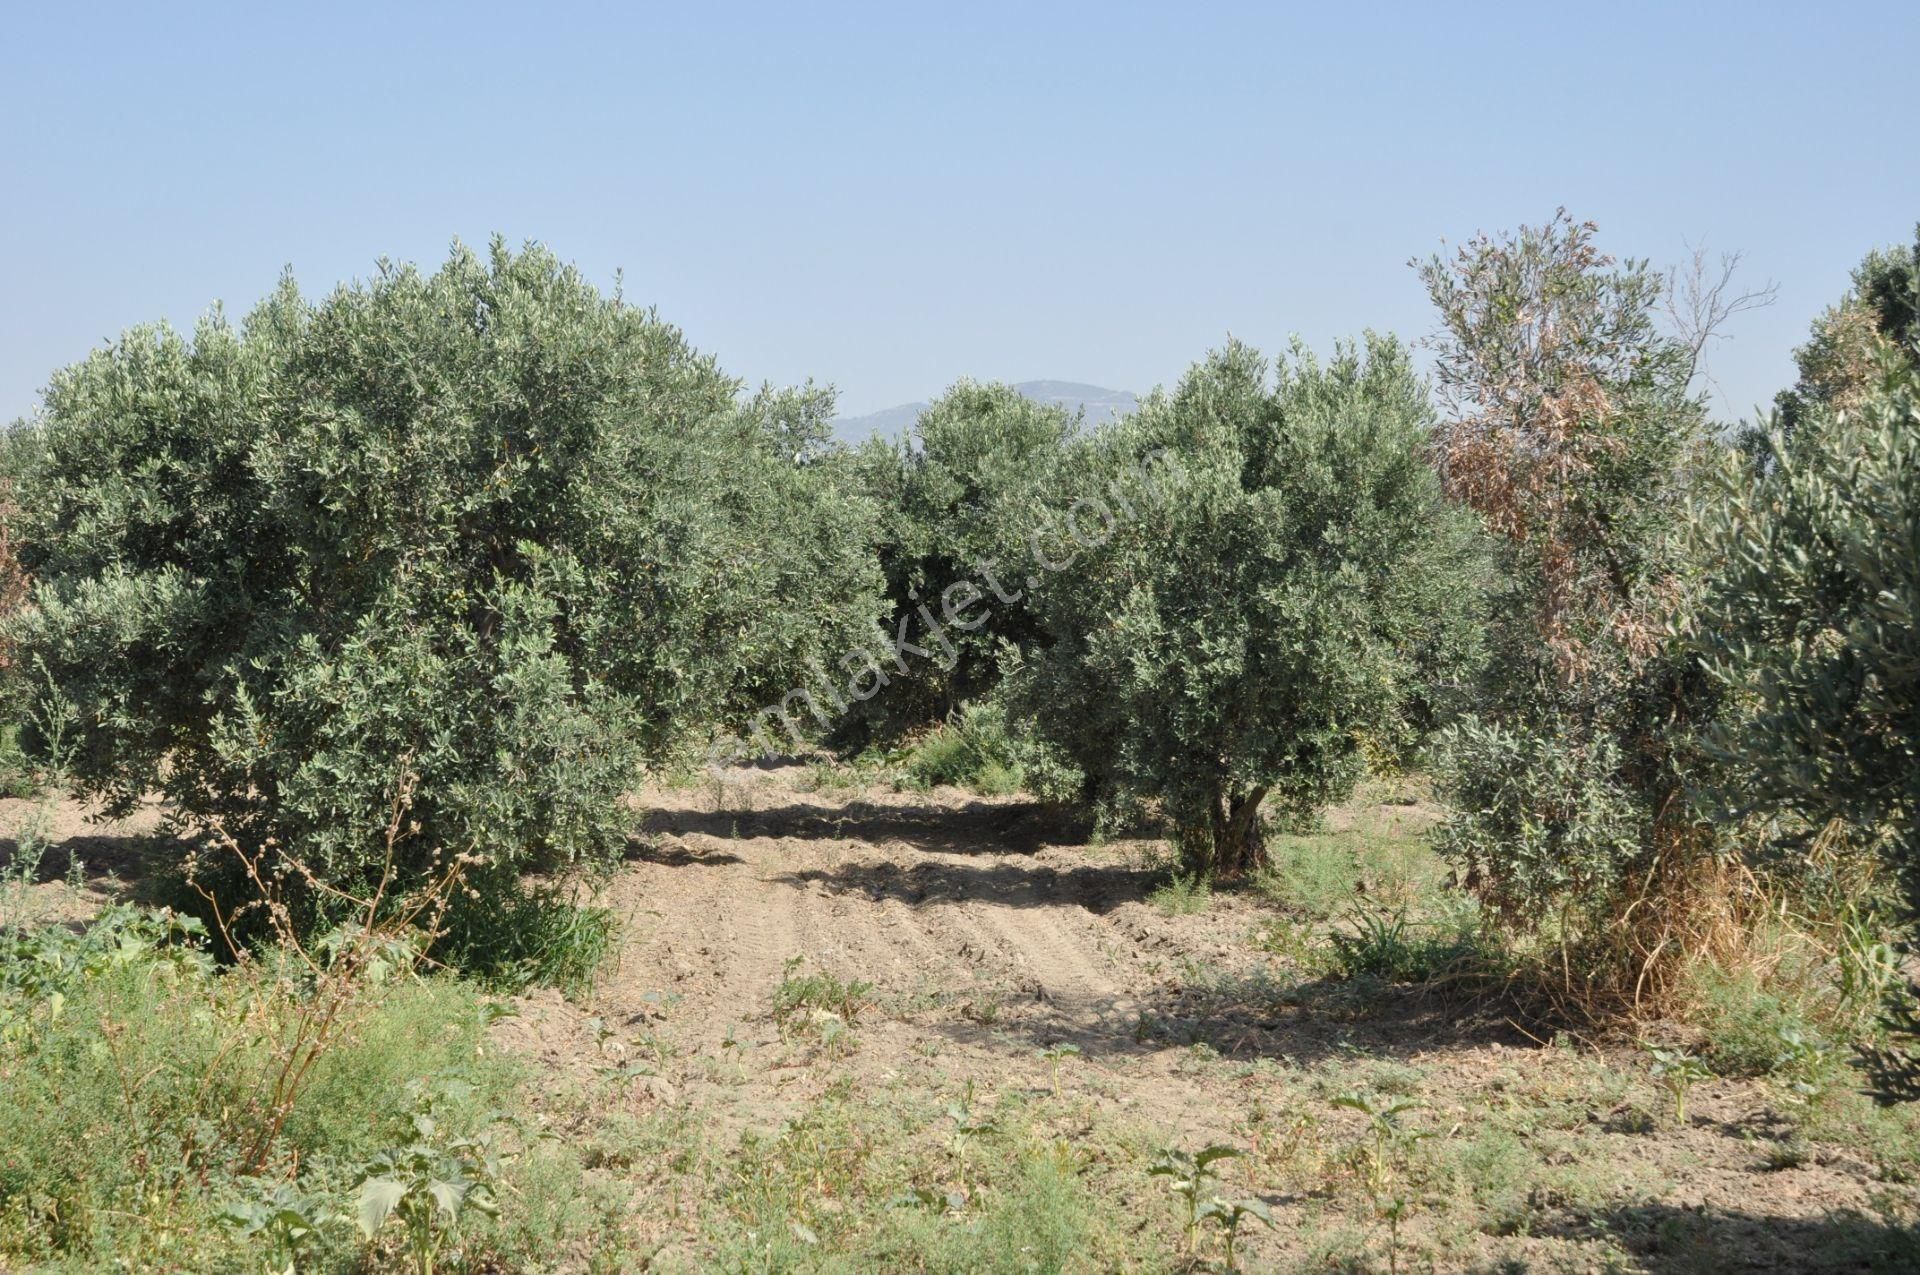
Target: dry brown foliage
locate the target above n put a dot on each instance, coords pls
(14, 584)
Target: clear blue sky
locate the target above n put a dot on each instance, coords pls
(889, 197)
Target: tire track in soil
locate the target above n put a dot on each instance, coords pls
(720, 933)
(1044, 941)
(1025, 939)
(974, 945)
(885, 936)
(768, 923)
(898, 901)
(905, 918)
(842, 941)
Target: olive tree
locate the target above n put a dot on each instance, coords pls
(1244, 584)
(1840, 364)
(954, 492)
(1810, 611)
(1809, 615)
(1571, 427)
(482, 540)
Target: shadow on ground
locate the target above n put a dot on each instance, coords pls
(1297, 1023)
(1668, 1239)
(97, 858)
(972, 828)
(1099, 888)
(674, 854)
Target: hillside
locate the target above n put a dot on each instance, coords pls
(1100, 404)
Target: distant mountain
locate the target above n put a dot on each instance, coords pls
(1101, 405)
(885, 423)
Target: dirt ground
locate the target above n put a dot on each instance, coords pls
(81, 861)
(987, 934)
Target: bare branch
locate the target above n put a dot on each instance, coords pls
(1702, 299)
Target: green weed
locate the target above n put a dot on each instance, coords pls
(973, 749)
(1053, 1055)
(1384, 943)
(1677, 1071)
(1181, 895)
(1189, 1176)
(431, 1184)
(532, 936)
(819, 1004)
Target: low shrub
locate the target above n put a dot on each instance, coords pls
(1181, 894)
(135, 1068)
(977, 749)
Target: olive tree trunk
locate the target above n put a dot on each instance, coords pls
(1230, 843)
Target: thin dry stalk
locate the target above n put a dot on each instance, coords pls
(391, 932)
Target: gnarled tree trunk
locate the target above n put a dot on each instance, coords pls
(1230, 843)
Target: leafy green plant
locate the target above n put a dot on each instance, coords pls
(283, 1219)
(1803, 1062)
(1182, 894)
(143, 1086)
(732, 1042)
(1677, 1071)
(967, 1125)
(1230, 1214)
(1388, 1136)
(1053, 1055)
(1541, 824)
(819, 1003)
(1893, 1064)
(326, 982)
(1383, 1152)
(922, 1197)
(41, 968)
(540, 934)
(1190, 1177)
(51, 717)
(20, 776)
(1393, 1211)
(1779, 1155)
(853, 1169)
(1868, 965)
(430, 1184)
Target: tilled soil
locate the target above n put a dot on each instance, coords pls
(987, 933)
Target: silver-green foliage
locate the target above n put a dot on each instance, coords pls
(1278, 585)
(484, 528)
(1811, 617)
(1810, 611)
(956, 493)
